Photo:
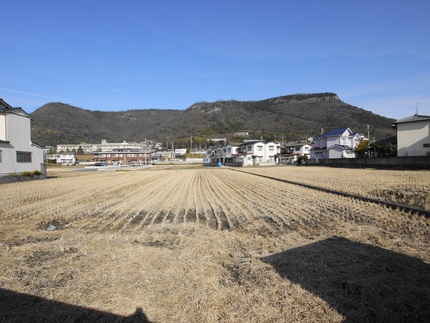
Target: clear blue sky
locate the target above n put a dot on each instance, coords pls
(137, 54)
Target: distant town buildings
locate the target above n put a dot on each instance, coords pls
(104, 146)
(18, 153)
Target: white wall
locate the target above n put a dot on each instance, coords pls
(271, 149)
(335, 153)
(2, 127)
(411, 137)
(18, 133)
(305, 150)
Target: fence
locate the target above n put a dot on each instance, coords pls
(385, 163)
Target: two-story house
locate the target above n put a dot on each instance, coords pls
(413, 136)
(336, 143)
(17, 152)
(291, 152)
(223, 154)
(257, 152)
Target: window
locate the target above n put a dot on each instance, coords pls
(259, 148)
(0, 155)
(249, 148)
(424, 145)
(23, 157)
(271, 148)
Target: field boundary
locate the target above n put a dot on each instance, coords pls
(395, 206)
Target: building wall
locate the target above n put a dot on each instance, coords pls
(271, 150)
(346, 139)
(18, 133)
(335, 153)
(123, 159)
(104, 146)
(332, 141)
(304, 150)
(67, 159)
(411, 138)
(2, 127)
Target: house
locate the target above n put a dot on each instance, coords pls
(384, 148)
(291, 152)
(67, 159)
(18, 153)
(257, 152)
(223, 154)
(336, 143)
(162, 154)
(180, 152)
(413, 136)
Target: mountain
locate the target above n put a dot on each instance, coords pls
(290, 117)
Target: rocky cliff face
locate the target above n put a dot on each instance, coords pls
(317, 97)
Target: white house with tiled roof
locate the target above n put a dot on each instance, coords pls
(336, 143)
(257, 153)
(18, 153)
(413, 136)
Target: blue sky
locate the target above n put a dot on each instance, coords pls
(137, 54)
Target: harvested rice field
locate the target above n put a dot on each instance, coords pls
(194, 244)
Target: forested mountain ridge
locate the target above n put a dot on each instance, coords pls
(290, 117)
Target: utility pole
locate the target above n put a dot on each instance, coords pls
(173, 151)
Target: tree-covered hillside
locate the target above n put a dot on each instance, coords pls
(291, 117)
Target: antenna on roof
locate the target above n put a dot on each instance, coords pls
(416, 108)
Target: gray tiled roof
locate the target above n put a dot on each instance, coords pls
(4, 105)
(414, 118)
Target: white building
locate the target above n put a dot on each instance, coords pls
(180, 151)
(413, 136)
(67, 159)
(104, 146)
(17, 152)
(336, 143)
(222, 154)
(257, 153)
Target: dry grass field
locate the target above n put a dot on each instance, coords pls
(194, 244)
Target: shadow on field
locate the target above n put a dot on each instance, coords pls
(363, 283)
(18, 307)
